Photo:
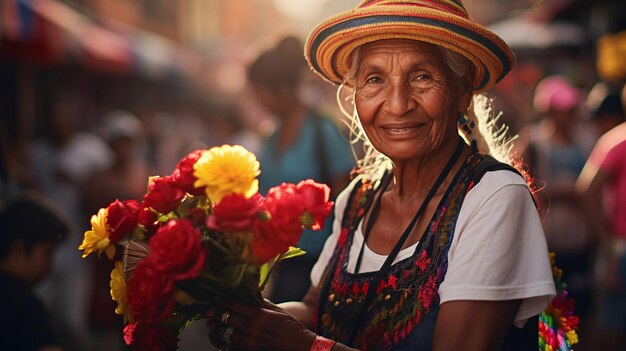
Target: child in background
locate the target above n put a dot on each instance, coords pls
(30, 229)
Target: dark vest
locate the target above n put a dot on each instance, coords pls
(403, 313)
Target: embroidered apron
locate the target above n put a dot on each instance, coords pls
(402, 314)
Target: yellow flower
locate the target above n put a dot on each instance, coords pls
(572, 337)
(183, 298)
(97, 239)
(226, 170)
(119, 293)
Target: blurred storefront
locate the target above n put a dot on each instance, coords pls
(96, 49)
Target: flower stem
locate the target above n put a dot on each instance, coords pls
(218, 245)
(269, 273)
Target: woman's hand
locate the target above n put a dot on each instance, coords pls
(269, 327)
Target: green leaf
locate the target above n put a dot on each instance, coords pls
(265, 271)
(292, 252)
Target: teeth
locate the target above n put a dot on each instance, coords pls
(399, 130)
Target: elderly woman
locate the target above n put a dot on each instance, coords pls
(436, 245)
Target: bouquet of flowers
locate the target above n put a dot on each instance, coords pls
(200, 234)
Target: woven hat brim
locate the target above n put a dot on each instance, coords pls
(329, 46)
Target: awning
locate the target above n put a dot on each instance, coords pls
(64, 33)
(96, 46)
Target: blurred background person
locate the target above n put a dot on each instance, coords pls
(227, 126)
(127, 176)
(606, 110)
(556, 148)
(62, 162)
(305, 145)
(31, 228)
(603, 185)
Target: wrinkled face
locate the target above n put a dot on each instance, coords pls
(407, 98)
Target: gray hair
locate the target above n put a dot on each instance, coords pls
(489, 136)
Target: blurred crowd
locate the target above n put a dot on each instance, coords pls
(567, 110)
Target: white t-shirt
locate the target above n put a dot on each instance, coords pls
(498, 252)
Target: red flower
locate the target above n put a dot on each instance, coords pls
(148, 219)
(283, 229)
(269, 240)
(183, 174)
(235, 213)
(197, 216)
(150, 337)
(121, 218)
(314, 197)
(150, 293)
(177, 251)
(163, 196)
(285, 204)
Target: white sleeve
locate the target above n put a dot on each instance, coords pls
(331, 242)
(499, 250)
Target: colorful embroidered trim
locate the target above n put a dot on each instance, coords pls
(322, 344)
(557, 324)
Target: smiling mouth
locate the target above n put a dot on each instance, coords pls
(400, 130)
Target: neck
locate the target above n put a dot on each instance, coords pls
(415, 177)
(293, 114)
(290, 126)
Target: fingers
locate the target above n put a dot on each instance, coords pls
(216, 331)
(271, 306)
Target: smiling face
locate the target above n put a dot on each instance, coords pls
(407, 98)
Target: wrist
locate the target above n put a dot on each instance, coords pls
(308, 338)
(321, 343)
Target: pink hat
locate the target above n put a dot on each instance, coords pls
(556, 93)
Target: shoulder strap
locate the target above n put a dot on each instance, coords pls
(490, 164)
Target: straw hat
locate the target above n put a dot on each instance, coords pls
(329, 47)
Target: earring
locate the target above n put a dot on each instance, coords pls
(467, 127)
(462, 119)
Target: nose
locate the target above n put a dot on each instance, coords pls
(398, 100)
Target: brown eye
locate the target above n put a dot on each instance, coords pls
(373, 80)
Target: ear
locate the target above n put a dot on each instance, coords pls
(468, 89)
(466, 99)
